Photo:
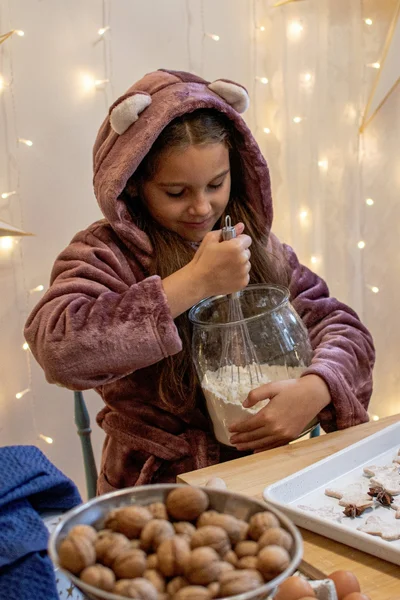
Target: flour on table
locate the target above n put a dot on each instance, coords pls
(226, 389)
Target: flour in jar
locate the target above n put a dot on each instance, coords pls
(226, 389)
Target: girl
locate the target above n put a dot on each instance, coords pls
(173, 157)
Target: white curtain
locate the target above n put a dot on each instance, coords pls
(314, 54)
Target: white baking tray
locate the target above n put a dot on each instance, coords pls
(302, 495)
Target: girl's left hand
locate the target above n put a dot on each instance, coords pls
(293, 405)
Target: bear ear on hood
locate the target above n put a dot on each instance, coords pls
(127, 110)
(235, 95)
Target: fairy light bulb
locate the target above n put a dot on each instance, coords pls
(26, 142)
(263, 80)
(46, 438)
(261, 28)
(102, 30)
(375, 289)
(369, 202)
(307, 77)
(21, 394)
(267, 130)
(6, 243)
(6, 195)
(19, 32)
(213, 36)
(90, 83)
(25, 346)
(295, 29)
(368, 21)
(314, 260)
(303, 215)
(374, 65)
(361, 244)
(2, 83)
(375, 417)
(38, 288)
(297, 119)
(323, 164)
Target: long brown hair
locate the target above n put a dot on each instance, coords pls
(178, 383)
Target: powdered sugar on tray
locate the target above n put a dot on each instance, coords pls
(226, 389)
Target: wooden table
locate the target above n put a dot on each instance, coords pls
(251, 474)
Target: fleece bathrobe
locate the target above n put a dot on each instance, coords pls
(105, 323)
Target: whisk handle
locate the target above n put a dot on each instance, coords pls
(228, 233)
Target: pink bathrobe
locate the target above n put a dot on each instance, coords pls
(104, 323)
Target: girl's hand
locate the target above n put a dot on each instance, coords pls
(293, 405)
(222, 267)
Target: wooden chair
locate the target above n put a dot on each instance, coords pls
(82, 421)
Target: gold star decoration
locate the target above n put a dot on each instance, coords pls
(388, 75)
(282, 2)
(7, 230)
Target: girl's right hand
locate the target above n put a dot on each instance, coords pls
(222, 267)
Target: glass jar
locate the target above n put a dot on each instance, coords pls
(268, 342)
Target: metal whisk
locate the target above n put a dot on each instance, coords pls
(237, 350)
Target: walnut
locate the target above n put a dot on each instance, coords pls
(156, 579)
(239, 582)
(154, 532)
(247, 562)
(103, 533)
(246, 548)
(140, 589)
(134, 544)
(99, 576)
(193, 592)
(203, 566)
(276, 536)
(213, 588)
(152, 561)
(128, 520)
(158, 510)
(75, 553)
(272, 560)
(172, 555)
(186, 503)
(184, 528)
(87, 531)
(243, 530)
(231, 558)
(130, 564)
(176, 584)
(212, 536)
(108, 547)
(232, 526)
(260, 522)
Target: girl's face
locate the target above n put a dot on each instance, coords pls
(190, 190)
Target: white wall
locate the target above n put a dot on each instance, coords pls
(46, 102)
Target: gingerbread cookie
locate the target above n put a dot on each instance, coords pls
(376, 526)
(390, 482)
(354, 498)
(373, 470)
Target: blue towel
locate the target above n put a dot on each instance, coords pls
(29, 484)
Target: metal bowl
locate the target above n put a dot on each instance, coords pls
(223, 501)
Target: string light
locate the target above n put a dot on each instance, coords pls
(373, 289)
(19, 32)
(314, 260)
(303, 215)
(20, 395)
(213, 36)
(102, 30)
(2, 83)
(375, 417)
(297, 119)
(46, 438)
(267, 130)
(39, 288)
(25, 346)
(374, 65)
(263, 80)
(361, 244)
(6, 195)
(261, 28)
(307, 77)
(6, 242)
(26, 142)
(368, 21)
(369, 202)
(323, 164)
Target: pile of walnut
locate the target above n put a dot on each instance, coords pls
(177, 551)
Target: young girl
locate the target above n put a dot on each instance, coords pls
(171, 160)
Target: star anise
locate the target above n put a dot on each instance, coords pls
(381, 495)
(352, 510)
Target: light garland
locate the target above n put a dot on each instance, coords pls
(263, 80)
(368, 21)
(6, 243)
(361, 245)
(46, 438)
(6, 195)
(369, 202)
(23, 393)
(213, 36)
(323, 164)
(374, 65)
(38, 288)
(25, 142)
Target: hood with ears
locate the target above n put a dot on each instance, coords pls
(135, 121)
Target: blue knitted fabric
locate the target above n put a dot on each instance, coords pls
(29, 484)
